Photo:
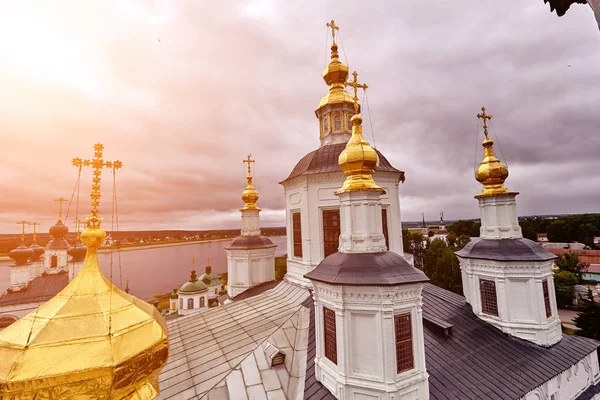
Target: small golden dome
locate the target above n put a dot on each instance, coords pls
(90, 341)
(249, 195)
(491, 172)
(335, 72)
(358, 161)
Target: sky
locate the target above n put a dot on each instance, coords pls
(182, 91)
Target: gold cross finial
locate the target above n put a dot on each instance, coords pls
(249, 160)
(60, 201)
(22, 223)
(193, 261)
(97, 163)
(34, 224)
(333, 28)
(355, 85)
(485, 117)
(208, 261)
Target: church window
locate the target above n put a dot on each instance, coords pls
(349, 117)
(297, 234)
(337, 123)
(190, 304)
(53, 261)
(546, 298)
(325, 125)
(201, 302)
(384, 225)
(331, 231)
(330, 335)
(404, 346)
(489, 302)
(181, 304)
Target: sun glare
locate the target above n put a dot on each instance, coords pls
(38, 47)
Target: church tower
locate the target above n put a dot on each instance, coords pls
(312, 209)
(20, 271)
(250, 257)
(55, 252)
(368, 318)
(506, 278)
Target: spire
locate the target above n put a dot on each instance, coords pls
(358, 160)
(249, 195)
(60, 201)
(99, 332)
(491, 172)
(193, 276)
(37, 249)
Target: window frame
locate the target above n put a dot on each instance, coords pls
(403, 335)
(329, 335)
(181, 303)
(191, 299)
(297, 234)
(385, 226)
(337, 122)
(325, 125)
(546, 294)
(489, 297)
(328, 246)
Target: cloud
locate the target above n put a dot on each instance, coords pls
(184, 93)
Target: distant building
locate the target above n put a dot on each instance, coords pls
(441, 233)
(593, 273)
(596, 239)
(192, 296)
(213, 282)
(542, 237)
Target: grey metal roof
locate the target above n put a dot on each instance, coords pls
(250, 242)
(40, 289)
(325, 159)
(381, 269)
(590, 392)
(478, 361)
(505, 250)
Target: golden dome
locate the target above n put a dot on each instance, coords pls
(249, 195)
(335, 76)
(358, 161)
(90, 341)
(491, 172)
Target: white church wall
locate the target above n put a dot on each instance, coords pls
(499, 218)
(247, 268)
(570, 383)
(20, 275)
(61, 261)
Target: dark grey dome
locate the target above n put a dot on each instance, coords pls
(366, 269)
(250, 242)
(505, 250)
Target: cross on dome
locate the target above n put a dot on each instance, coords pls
(60, 200)
(23, 223)
(249, 161)
(34, 224)
(482, 115)
(355, 85)
(331, 25)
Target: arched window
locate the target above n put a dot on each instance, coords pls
(181, 304)
(190, 304)
(53, 261)
(325, 125)
(349, 124)
(201, 302)
(337, 123)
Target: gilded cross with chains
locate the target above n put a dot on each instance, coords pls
(97, 163)
(485, 117)
(355, 85)
(60, 203)
(22, 223)
(34, 224)
(249, 160)
(333, 28)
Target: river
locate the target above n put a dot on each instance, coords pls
(154, 270)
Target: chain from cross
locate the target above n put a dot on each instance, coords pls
(331, 25)
(23, 223)
(34, 224)
(97, 163)
(355, 85)
(249, 160)
(60, 200)
(482, 115)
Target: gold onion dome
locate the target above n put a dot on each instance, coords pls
(249, 195)
(335, 75)
(491, 173)
(90, 341)
(358, 161)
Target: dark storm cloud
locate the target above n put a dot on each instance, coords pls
(183, 102)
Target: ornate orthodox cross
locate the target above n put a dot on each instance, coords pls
(355, 85)
(193, 261)
(34, 224)
(22, 223)
(249, 160)
(333, 28)
(60, 201)
(97, 163)
(485, 117)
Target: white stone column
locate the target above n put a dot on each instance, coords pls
(360, 220)
(499, 217)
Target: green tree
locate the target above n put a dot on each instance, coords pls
(570, 262)
(413, 244)
(588, 321)
(442, 267)
(564, 284)
(461, 242)
(465, 227)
